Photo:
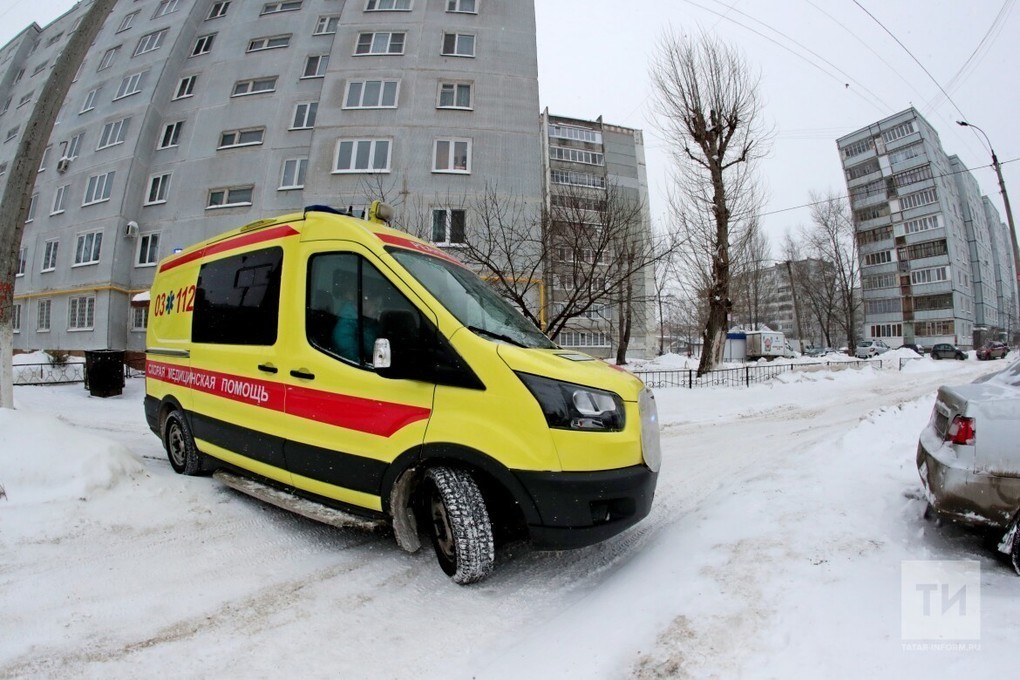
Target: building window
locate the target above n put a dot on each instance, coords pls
(25, 99)
(887, 330)
(17, 78)
(578, 134)
(45, 159)
(874, 235)
(315, 66)
(362, 155)
(276, 7)
(577, 179)
(230, 197)
(42, 316)
(219, 9)
(74, 146)
(87, 247)
(921, 224)
(927, 303)
(90, 101)
(150, 42)
(464, 6)
(883, 306)
(186, 87)
(203, 45)
(861, 169)
(326, 25)
(448, 226)
(31, 208)
(7, 106)
(458, 45)
(294, 173)
(857, 148)
(930, 275)
(371, 94)
(98, 189)
(22, 261)
(571, 155)
(304, 115)
(81, 311)
(108, 57)
(113, 133)
(269, 43)
(248, 137)
(128, 21)
(582, 339)
(38, 69)
(12, 133)
(171, 135)
(148, 250)
(388, 6)
(159, 186)
(60, 199)
(879, 281)
(130, 85)
(165, 7)
(452, 155)
(16, 318)
(49, 261)
(139, 318)
(254, 86)
(926, 197)
(380, 43)
(913, 176)
(899, 132)
(881, 257)
(920, 251)
(454, 95)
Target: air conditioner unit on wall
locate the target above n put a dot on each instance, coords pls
(131, 230)
(63, 164)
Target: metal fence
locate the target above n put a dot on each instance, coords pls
(744, 376)
(49, 374)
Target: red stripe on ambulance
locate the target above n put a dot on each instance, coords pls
(362, 415)
(241, 241)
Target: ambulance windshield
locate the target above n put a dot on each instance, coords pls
(471, 300)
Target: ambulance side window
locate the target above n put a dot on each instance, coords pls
(237, 301)
(348, 303)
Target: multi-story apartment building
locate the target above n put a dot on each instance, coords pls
(191, 117)
(928, 241)
(595, 173)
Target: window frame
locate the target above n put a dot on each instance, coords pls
(160, 184)
(49, 258)
(451, 155)
(454, 7)
(299, 173)
(268, 41)
(136, 80)
(113, 133)
(448, 214)
(252, 82)
(106, 61)
(75, 313)
(86, 247)
(311, 111)
(226, 195)
(374, 143)
(395, 82)
(146, 252)
(203, 45)
(457, 39)
(99, 185)
(371, 45)
(278, 7)
(373, 6)
(222, 6)
(238, 134)
(186, 85)
(171, 136)
(321, 66)
(455, 88)
(145, 40)
(322, 24)
(59, 204)
(44, 304)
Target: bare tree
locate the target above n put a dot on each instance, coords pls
(832, 239)
(17, 197)
(753, 286)
(710, 113)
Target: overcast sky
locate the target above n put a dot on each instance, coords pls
(827, 68)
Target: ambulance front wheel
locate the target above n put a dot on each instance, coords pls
(458, 524)
(184, 456)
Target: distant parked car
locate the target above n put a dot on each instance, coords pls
(968, 459)
(871, 348)
(818, 352)
(917, 348)
(992, 350)
(945, 350)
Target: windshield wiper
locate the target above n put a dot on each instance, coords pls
(497, 336)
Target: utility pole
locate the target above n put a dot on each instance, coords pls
(21, 180)
(1005, 201)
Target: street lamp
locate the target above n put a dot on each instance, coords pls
(1005, 200)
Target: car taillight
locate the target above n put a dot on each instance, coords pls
(961, 431)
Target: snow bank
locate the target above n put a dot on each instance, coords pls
(43, 460)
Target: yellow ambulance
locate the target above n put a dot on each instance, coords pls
(348, 371)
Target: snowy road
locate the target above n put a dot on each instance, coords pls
(782, 515)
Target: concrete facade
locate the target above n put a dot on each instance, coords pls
(928, 240)
(192, 117)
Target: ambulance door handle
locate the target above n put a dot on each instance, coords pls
(268, 368)
(303, 374)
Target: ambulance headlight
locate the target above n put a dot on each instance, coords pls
(575, 407)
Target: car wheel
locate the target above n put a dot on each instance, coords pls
(458, 524)
(184, 456)
(934, 356)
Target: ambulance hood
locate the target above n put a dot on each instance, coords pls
(573, 367)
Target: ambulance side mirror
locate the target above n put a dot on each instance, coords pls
(382, 357)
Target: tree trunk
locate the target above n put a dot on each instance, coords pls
(21, 181)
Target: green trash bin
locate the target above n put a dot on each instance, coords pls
(104, 372)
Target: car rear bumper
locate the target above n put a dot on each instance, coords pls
(962, 495)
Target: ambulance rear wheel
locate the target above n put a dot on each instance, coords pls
(184, 456)
(458, 524)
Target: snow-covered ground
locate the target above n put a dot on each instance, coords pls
(775, 549)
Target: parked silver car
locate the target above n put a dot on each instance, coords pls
(871, 348)
(969, 459)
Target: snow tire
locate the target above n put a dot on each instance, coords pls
(458, 524)
(184, 456)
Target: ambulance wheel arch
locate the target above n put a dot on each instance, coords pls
(179, 441)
